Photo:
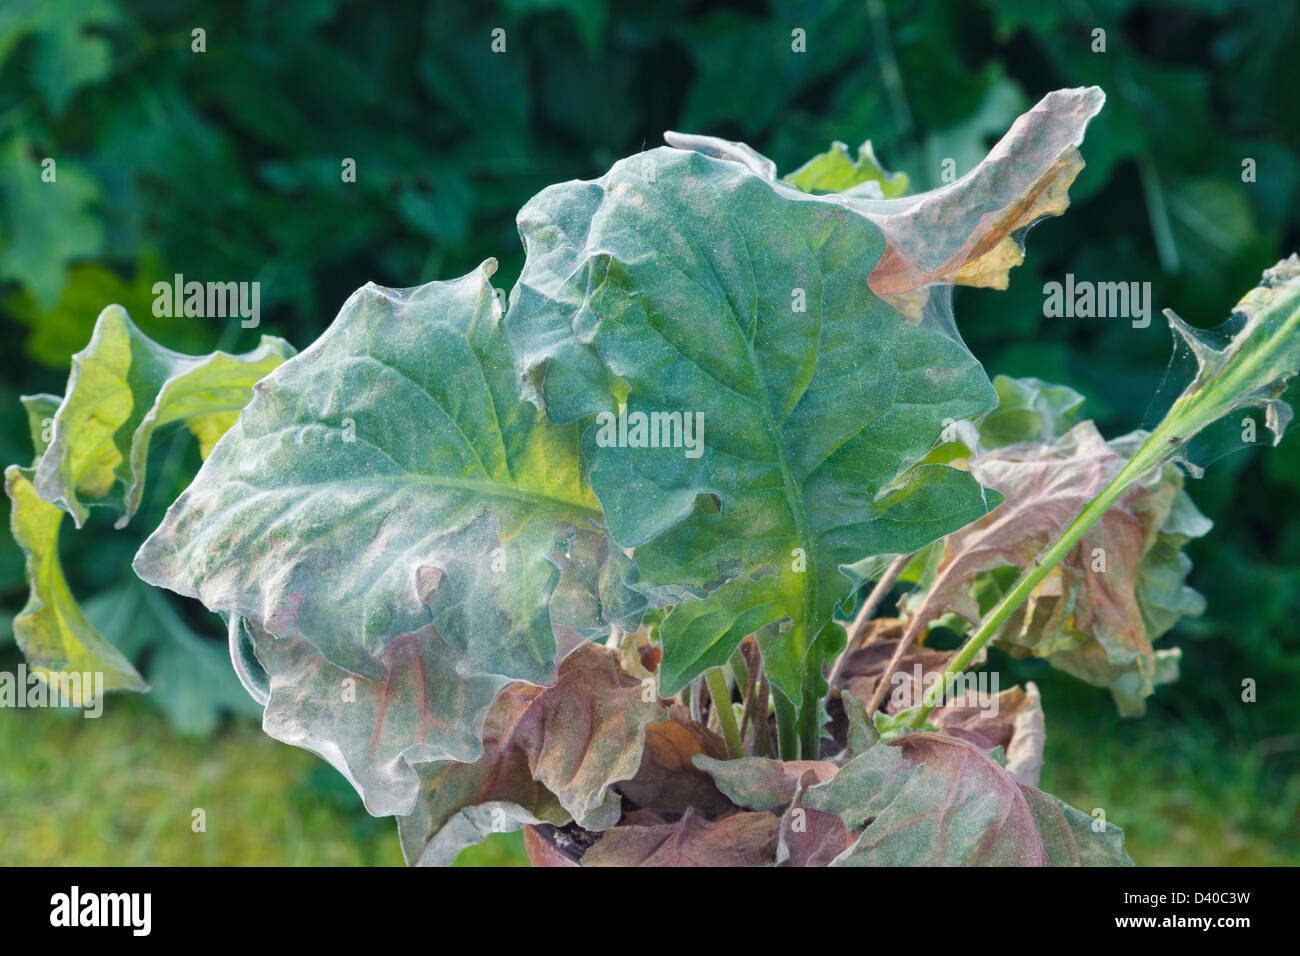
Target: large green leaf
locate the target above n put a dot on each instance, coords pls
(388, 499)
(671, 286)
(124, 386)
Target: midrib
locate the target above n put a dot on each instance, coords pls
(794, 501)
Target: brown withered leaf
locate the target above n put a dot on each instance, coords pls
(461, 803)
(668, 781)
(812, 837)
(762, 784)
(864, 667)
(969, 232)
(741, 839)
(1012, 720)
(549, 754)
(1084, 620)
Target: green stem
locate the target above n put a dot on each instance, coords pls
(721, 695)
(1152, 453)
(810, 744)
(739, 672)
(787, 740)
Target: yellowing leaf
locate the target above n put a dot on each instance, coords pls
(51, 629)
(123, 387)
(835, 171)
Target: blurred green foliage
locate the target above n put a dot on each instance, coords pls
(226, 165)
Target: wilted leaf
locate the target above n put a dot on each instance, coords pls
(741, 839)
(549, 755)
(669, 779)
(95, 441)
(864, 667)
(377, 733)
(543, 849)
(1012, 720)
(123, 387)
(40, 411)
(387, 498)
(936, 800)
(671, 286)
(970, 232)
(972, 710)
(1086, 616)
(811, 837)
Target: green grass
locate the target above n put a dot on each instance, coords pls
(1181, 797)
(121, 790)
